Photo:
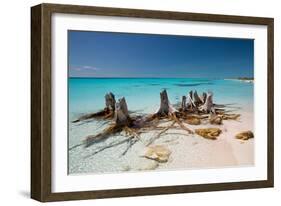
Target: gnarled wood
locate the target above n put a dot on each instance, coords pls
(165, 107)
(215, 119)
(193, 109)
(91, 139)
(191, 104)
(203, 97)
(122, 117)
(196, 98)
(208, 105)
(174, 117)
(183, 103)
(110, 101)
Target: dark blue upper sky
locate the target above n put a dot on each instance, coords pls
(105, 54)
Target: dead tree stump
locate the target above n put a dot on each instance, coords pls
(208, 106)
(191, 104)
(110, 101)
(203, 97)
(122, 120)
(122, 117)
(183, 103)
(196, 98)
(164, 104)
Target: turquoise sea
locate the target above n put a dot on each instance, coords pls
(142, 94)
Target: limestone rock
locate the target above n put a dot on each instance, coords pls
(245, 135)
(158, 153)
(209, 133)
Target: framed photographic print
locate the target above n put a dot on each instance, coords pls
(130, 102)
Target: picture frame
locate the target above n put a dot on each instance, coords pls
(41, 101)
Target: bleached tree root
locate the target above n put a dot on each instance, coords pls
(165, 107)
(174, 117)
(122, 117)
(208, 106)
(91, 139)
(192, 107)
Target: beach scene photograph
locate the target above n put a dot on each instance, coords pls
(151, 102)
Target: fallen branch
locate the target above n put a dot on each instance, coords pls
(122, 122)
(174, 117)
(91, 139)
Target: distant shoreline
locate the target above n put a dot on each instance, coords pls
(242, 79)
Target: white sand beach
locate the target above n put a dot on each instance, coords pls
(188, 151)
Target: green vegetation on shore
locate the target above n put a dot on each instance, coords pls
(245, 78)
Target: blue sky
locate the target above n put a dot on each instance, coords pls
(106, 54)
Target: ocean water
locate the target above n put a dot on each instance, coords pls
(142, 94)
(86, 95)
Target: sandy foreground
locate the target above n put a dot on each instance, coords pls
(188, 151)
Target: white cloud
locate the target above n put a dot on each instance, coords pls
(85, 67)
(90, 68)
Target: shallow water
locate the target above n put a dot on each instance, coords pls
(142, 94)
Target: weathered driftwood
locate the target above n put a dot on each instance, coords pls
(215, 119)
(91, 139)
(174, 117)
(183, 104)
(245, 135)
(110, 101)
(230, 116)
(123, 121)
(107, 112)
(203, 97)
(209, 133)
(208, 105)
(190, 102)
(191, 106)
(193, 120)
(166, 108)
(192, 110)
(196, 98)
(122, 117)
